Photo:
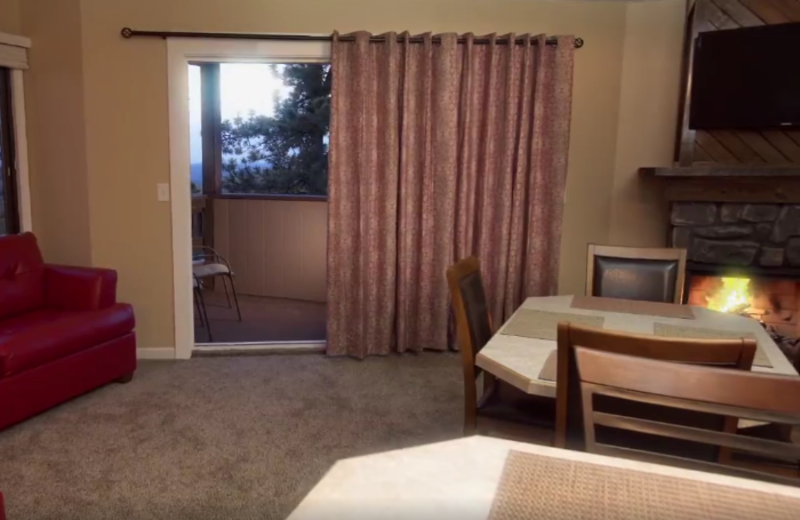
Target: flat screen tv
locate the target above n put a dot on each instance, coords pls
(746, 78)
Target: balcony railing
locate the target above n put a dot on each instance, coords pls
(276, 244)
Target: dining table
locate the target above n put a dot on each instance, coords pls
(522, 351)
(482, 478)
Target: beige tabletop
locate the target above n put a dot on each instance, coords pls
(519, 360)
(455, 480)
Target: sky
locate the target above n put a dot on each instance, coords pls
(244, 87)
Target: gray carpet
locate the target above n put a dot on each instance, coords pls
(222, 438)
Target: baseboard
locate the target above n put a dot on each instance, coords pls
(155, 353)
(256, 349)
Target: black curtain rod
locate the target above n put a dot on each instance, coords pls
(127, 32)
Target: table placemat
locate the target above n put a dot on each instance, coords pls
(550, 367)
(530, 323)
(537, 486)
(665, 310)
(668, 330)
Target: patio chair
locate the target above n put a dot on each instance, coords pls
(208, 264)
(201, 307)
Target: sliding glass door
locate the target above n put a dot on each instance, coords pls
(9, 215)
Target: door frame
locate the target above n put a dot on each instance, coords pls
(180, 53)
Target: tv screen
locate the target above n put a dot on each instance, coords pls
(747, 78)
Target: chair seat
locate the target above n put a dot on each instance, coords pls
(45, 335)
(505, 402)
(206, 270)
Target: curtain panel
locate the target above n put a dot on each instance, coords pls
(440, 151)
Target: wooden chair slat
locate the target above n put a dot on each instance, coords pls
(765, 447)
(689, 388)
(697, 465)
(699, 406)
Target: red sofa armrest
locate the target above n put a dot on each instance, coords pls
(79, 288)
(2, 509)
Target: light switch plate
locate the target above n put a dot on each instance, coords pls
(163, 192)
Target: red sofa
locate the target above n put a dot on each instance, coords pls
(62, 333)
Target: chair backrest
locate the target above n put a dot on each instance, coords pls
(635, 273)
(727, 353)
(473, 323)
(732, 393)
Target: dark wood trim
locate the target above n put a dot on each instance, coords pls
(128, 33)
(769, 190)
(685, 140)
(722, 171)
(9, 163)
(271, 196)
(210, 123)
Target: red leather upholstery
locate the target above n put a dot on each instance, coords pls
(79, 288)
(2, 508)
(41, 388)
(21, 275)
(37, 337)
(61, 331)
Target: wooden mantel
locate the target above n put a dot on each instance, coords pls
(700, 171)
(753, 184)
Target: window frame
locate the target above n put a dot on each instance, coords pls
(9, 150)
(15, 105)
(211, 121)
(181, 52)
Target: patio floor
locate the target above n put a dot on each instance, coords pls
(263, 320)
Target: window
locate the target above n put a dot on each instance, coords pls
(271, 126)
(9, 219)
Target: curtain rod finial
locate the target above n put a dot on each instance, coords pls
(578, 42)
(126, 32)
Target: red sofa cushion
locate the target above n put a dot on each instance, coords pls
(79, 288)
(21, 275)
(45, 335)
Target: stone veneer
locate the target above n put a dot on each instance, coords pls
(766, 235)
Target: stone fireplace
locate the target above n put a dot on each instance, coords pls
(742, 257)
(734, 234)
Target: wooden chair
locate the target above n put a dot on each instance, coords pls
(208, 264)
(636, 273)
(728, 353)
(731, 393)
(502, 409)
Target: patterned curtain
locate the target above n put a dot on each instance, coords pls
(439, 151)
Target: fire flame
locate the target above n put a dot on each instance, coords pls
(733, 294)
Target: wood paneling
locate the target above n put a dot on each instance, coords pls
(724, 147)
(276, 248)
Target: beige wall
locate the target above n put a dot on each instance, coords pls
(124, 115)
(648, 112)
(10, 19)
(276, 248)
(55, 114)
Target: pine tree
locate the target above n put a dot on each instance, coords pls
(286, 152)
